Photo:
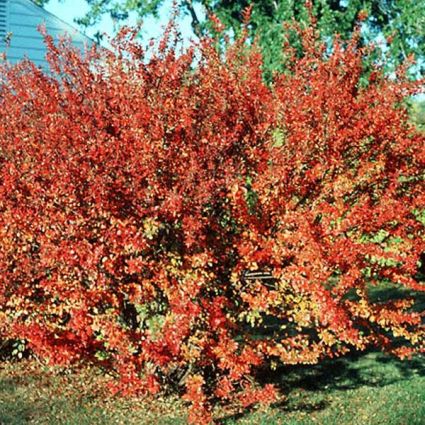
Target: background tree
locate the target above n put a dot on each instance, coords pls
(402, 21)
(418, 113)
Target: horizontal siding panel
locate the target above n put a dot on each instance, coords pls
(25, 7)
(40, 62)
(16, 50)
(3, 18)
(32, 54)
(31, 31)
(29, 40)
(22, 19)
(34, 21)
(35, 54)
(28, 45)
(38, 46)
(24, 13)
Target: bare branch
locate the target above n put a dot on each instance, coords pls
(196, 24)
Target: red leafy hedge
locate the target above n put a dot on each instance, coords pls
(138, 196)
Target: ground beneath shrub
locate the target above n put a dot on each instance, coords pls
(364, 389)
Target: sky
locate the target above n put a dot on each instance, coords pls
(68, 10)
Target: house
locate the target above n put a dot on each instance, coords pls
(19, 36)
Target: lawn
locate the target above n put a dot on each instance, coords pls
(369, 388)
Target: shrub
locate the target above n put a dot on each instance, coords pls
(139, 196)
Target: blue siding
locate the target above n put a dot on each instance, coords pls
(3, 17)
(21, 18)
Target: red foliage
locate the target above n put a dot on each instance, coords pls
(135, 194)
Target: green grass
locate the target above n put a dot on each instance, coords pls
(33, 394)
(366, 389)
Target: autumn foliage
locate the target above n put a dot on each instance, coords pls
(138, 191)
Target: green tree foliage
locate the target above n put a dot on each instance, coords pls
(401, 21)
(417, 111)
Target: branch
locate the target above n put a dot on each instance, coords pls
(207, 6)
(196, 24)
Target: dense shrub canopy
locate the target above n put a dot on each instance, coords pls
(136, 194)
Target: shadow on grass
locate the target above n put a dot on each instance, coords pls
(390, 293)
(358, 369)
(310, 387)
